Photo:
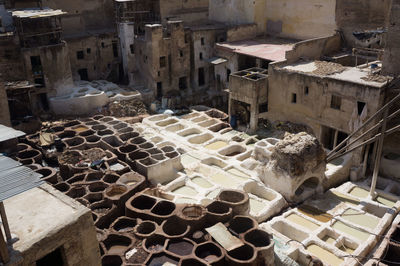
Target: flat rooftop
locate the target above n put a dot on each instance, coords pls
(38, 214)
(359, 75)
(271, 49)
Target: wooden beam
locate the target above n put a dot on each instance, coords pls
(4, 256)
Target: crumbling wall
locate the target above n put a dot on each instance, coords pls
(235, 11)
(242, 32)
(392, 50)
(98, 56)
(314, 48)
(359, 15)
(314, 108)
(84, 15)
(4, 111)
(186, 10)
(55, 64)
(300, 19)
(11, 64)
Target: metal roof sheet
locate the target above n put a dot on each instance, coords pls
(15, 178)
(7, 133)
(217, 60)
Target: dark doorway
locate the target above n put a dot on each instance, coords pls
(83, 73)
(54, 258)
(44, 102)
(183, 83)
(115, 48)
(36, 63)
(201, 77)
(159, 90)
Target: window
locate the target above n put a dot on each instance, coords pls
(202, 41)
(180, 53)
(88, 50)
(186, 38)
(132, 48)
(182, 83)
(294, 98)
(336, 102)
(306, 90)
(201, 77)
(163, 61)
(115, 48)
(263, 108)
(360, 107)
(201, 56)
(102, 45)
(80, 55)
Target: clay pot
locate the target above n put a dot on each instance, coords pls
(175, 228)
(124, 224)
(145, 229)
(155, 243)
(192, 214)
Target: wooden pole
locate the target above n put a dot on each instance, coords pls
(378, 155)
(4, 256)
(5, 221)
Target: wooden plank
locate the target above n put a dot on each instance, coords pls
(221, 234)
(4, 256)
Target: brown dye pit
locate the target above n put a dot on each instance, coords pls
(181, 248)
(314, 213)
(161, 259)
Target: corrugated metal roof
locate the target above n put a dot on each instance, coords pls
(15, 178)
(37, 13)
(7, 133)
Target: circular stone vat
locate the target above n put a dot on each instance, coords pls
(124, 224)
(113, 192)
(145, 228)
(162, 259)
(174, 228)
(192, 262)
(94, 197)
(241, 224)
(209, 252)
(92, 139)
(258, 238)
(180, 247)
(193, 212)
(111, 178)
(76, 192)
(111, 260)
(94, 176)
(99, 127)
(105, 132)
(97, 187)
(217, 207)
(63, 187)
(101, 207)
(242, 254)
(154, 244)
(143, 202)
(164, 208)
(131, 179)
(117, 244)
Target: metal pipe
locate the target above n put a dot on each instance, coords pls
(5, 221)
(378, 155)
(386, 106)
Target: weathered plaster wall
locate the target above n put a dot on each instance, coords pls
(55, 64)
(186, 10)
(391, 60)
(11, 64)
(242, 32)
(358, 15)
(4, 111)
(314, 48)
(314, 109)
(239, 12)
(126, 39)
(84, 15)
(300, 19)
(100, 62)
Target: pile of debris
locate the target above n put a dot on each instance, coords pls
(327, 68)
(132, 107)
